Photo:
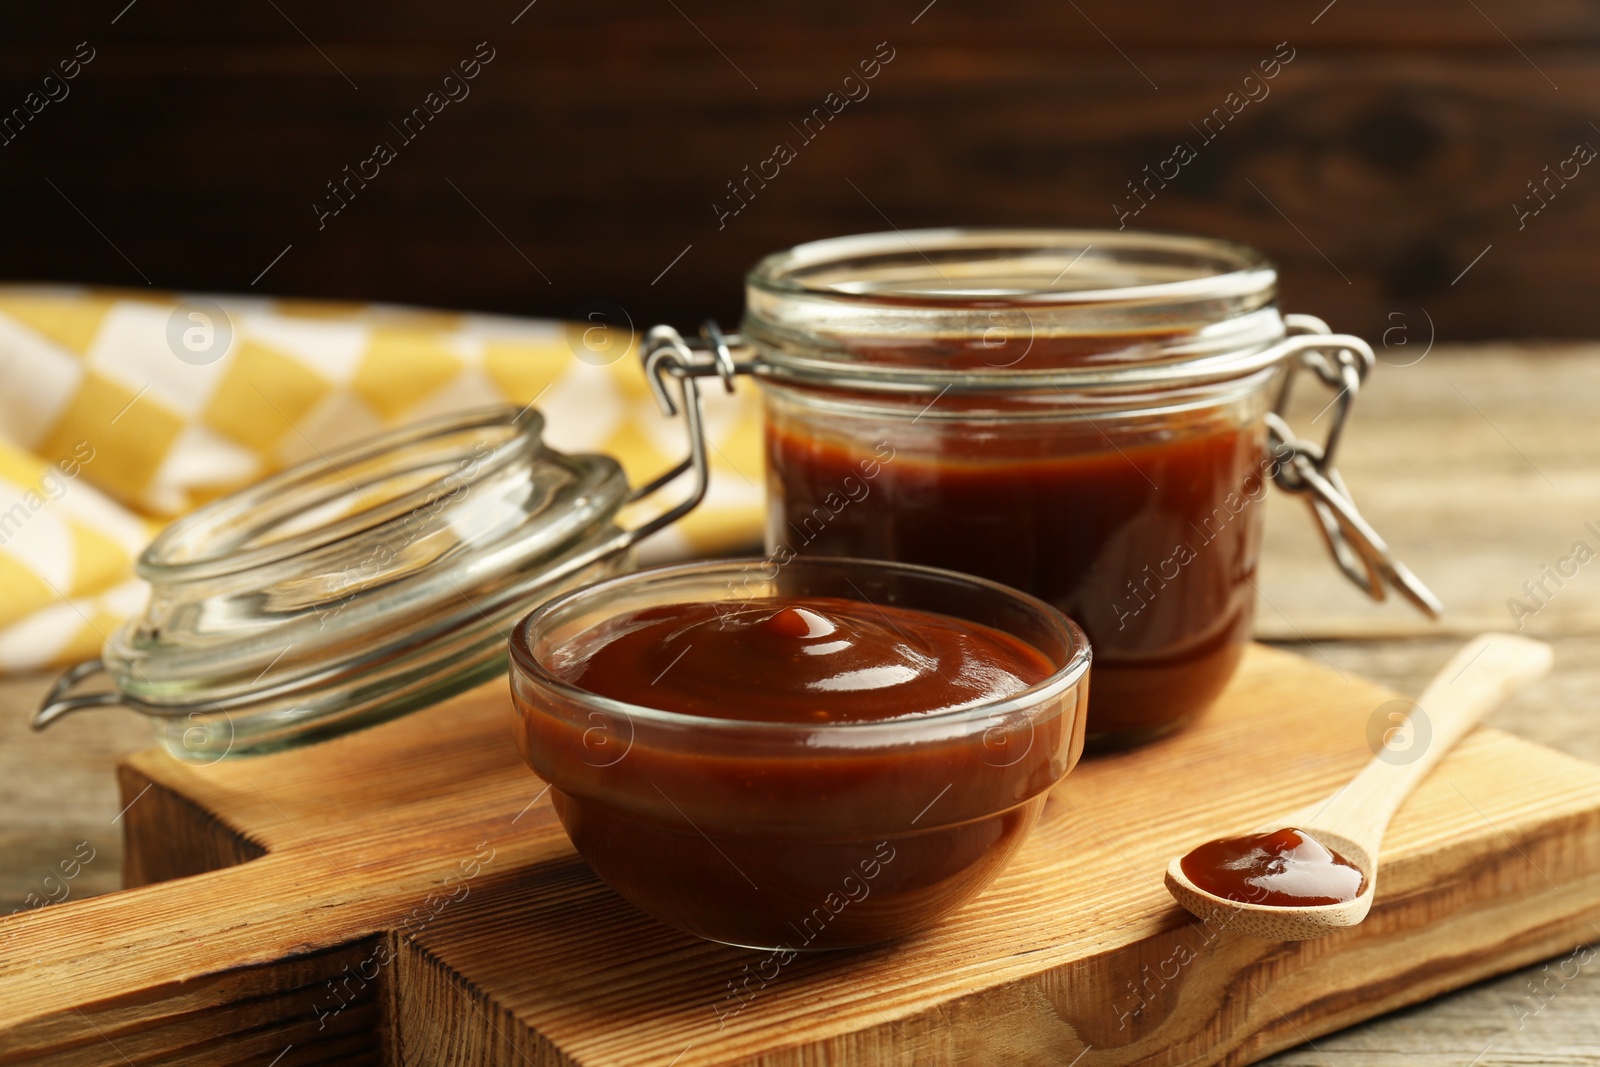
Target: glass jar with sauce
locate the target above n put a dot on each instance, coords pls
(1086, 416)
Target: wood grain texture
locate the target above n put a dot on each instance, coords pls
(417, 900)
(58, 796)
(589, 154)
(1478, 465)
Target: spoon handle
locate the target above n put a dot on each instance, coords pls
(1477, 679)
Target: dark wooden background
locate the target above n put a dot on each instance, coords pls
(590, 151)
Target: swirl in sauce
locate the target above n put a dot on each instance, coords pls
(801, 660)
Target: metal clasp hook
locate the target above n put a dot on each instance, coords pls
(57, 703)
(666, 352)
(1303, 467)
(668, 355)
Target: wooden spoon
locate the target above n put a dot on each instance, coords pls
(1352, 821)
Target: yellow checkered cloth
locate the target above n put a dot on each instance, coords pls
(120, 410)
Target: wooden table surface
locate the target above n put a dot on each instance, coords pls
(1481, 467)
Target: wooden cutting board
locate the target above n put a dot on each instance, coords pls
(405, 895)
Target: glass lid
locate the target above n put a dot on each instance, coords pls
(347, 558)
(363, 584)
(374, 579)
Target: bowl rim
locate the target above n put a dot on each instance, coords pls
(526, 666)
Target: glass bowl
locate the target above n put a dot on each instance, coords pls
(789, 836)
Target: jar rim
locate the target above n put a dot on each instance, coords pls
(1247, 270)
(986, 310)
(525, 662)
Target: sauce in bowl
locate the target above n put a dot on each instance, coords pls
(797, 771)
(801, 660)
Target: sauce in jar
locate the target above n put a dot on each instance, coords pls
(1082, 415)
(1287, 867)
(826, 776)
(1151, 545)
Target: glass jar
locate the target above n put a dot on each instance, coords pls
(797, 835)
(1090, 417)
(366, 583)
(1086, 416)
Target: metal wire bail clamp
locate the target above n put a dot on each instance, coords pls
(1305, 468)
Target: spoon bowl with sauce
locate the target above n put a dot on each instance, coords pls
(1315, 870)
